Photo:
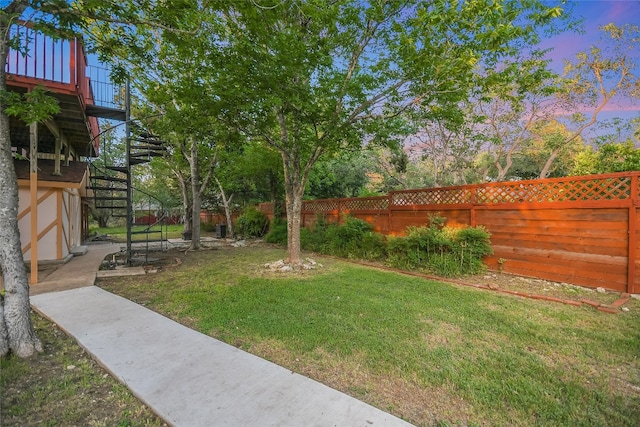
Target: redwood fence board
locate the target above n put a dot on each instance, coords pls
(605, 262)
(616, 233)
(566, 227)
(400, 220)
(550, 243)
(575, 270)
(605, 215)
(580, 230)
(616, 283)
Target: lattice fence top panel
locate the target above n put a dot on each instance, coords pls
(608, 187)
(546, 191)
(320, 205)
(356, 204)
(432, 196)
(366, 204)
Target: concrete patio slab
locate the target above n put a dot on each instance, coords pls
(80, 271)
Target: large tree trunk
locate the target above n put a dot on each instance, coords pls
(546, 169)
(103, 220)
(226, 203)
(196, 197)
(294, 189)
(503, 170)
(295, 179)
(198, 187)
(16, 331)
(508, 160)
(100, 215)
(186, 201)
(294, 221)
(4, 336)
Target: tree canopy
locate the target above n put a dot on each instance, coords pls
(313, 78)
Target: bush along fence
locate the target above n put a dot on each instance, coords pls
(447, 251)
(580, 230)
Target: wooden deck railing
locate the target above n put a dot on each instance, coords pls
(57, 64)
(581, 230)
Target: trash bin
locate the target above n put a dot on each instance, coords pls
(221, 231)
(186, 235)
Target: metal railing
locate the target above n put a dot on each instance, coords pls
(105, 92)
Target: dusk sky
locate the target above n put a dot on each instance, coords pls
(595, 14)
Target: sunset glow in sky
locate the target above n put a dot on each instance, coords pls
(595, 14)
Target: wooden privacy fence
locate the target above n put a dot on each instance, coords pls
(579, 230)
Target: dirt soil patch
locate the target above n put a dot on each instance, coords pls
(527, 285)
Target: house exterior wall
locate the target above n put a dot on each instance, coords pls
(73, 216)
(59, 221)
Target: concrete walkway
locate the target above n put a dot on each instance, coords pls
(80, 271)
(190, 379)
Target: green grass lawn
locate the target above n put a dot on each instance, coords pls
(119, 234)
(429, 352)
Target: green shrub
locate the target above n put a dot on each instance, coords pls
(277, 232)
(398, 253)
(209, 227)
(446, 251)
(307, 240)
(445, 264)
(342, 239)
(414, 251)
(372, 247)
(442, 250)
(472, 244)
(315, 240)
(252, 223)
(354, 239)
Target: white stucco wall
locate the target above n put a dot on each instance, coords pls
(47, 217)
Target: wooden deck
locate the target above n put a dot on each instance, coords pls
(60, 66)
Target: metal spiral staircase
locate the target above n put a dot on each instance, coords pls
(113, 191)
(144, 213)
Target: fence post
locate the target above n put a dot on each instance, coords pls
(632, 252)
(472, 213)
(389, 219)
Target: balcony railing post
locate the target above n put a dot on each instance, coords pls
(72, 63)
(35, 55)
